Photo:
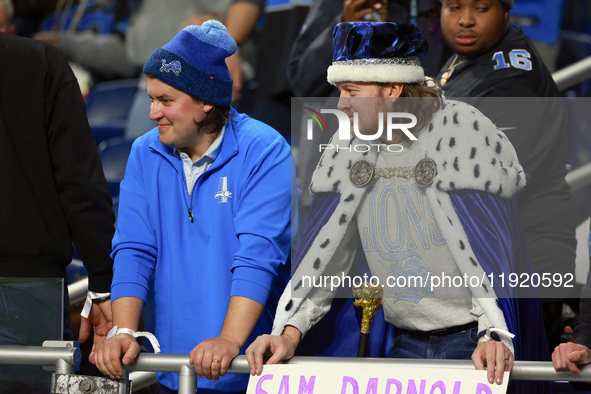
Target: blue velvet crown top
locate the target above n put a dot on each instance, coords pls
(376, 40)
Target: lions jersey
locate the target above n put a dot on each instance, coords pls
(511, 69)
(511, 85)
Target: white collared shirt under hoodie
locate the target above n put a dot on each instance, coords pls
(194, 169)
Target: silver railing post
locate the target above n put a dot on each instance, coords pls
(573, 74)
(522, 370)
(579, 178)
(65, 366)
(77, 290)
(47, 355)
(187, 380)
(64, 357)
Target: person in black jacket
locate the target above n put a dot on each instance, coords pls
(496, 65)
(54, 194)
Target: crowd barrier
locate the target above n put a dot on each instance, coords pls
(579, 178)
(573, 74)
(64, 357)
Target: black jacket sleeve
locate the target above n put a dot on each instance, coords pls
(54, 193)
(82, 189)
(311, 52)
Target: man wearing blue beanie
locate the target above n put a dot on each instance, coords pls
(205, 209)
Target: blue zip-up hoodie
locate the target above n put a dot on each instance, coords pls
(231, 237)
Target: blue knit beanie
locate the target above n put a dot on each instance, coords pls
(194, 62)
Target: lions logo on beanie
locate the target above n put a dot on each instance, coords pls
(194, 62)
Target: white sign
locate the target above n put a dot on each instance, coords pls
(346, 378)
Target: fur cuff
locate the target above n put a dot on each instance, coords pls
(375, 73)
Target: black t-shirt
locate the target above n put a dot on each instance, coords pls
(513, 68)
(512, 86)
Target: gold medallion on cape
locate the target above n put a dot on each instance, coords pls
(425, 171)
(361, 173)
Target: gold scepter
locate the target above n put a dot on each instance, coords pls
(369, 298)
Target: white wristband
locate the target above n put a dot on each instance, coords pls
(503, 334)
(90, 296)
(120, 330)
(136, 334)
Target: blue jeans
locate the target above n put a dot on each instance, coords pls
(417, 344)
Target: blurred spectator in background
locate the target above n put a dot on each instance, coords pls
(6, 13)
(577, 16)
(54, 193)
(267, 96)
(121, 54)
(240, 18)
(28, 15)
(154, 24)
(104, 55)
(495, 59)
(540, 20)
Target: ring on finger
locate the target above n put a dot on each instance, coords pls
(215, 360)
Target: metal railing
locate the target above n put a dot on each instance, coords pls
(63, 359)
(58, 356)
(573, 74)
(579, 178)
(565, 78)
(77, 290)
(522, 370)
